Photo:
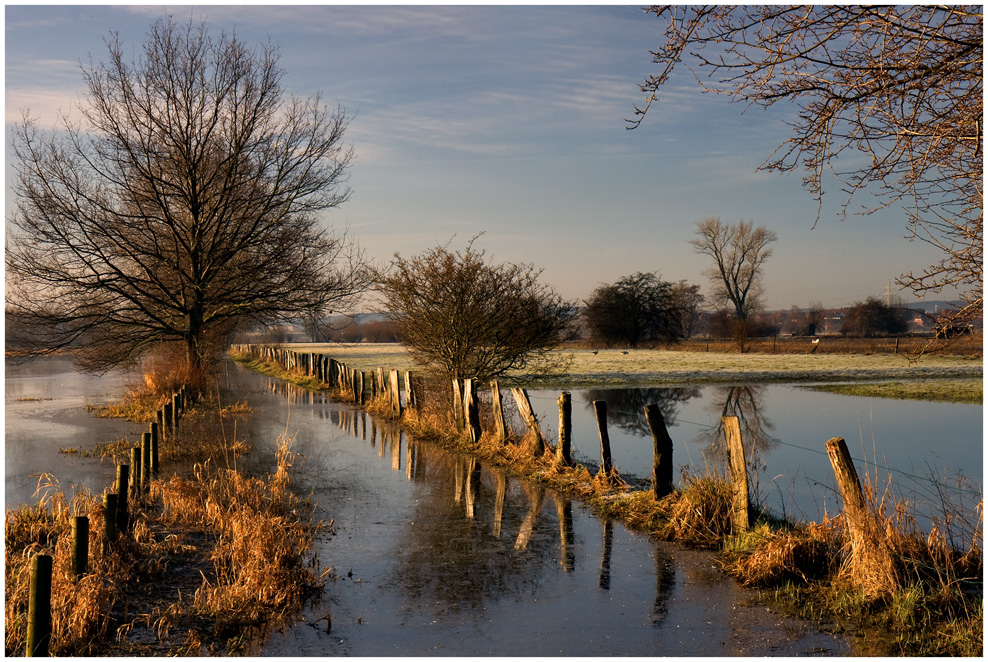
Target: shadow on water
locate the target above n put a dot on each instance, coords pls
(436, 553)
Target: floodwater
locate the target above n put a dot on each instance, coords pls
(46, 405)
(436, 554)
(928, 453)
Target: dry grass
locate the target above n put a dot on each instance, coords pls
(212, 560)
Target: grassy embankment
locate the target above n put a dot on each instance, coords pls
(931, 602)
(216, 553)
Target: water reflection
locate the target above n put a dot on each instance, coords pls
(626, 407)
(478, 535)
(746, 403)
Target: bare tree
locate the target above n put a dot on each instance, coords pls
(465, 317)
(902, 85)
(187, 198)
(739, 253)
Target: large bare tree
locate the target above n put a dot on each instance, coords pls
(187, 198)
(900, 85)
(739, 253)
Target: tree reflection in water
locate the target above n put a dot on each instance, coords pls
(626, 406)
(744, 402)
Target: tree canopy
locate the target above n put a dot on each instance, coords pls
(463, 316)
(871, 318)
(900, 85)
(186, 198)
(640, 308)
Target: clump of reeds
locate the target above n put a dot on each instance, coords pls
(764, 557)
(79, 608)
(262, 560)
(699, 513)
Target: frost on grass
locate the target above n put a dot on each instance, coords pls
(616, 367)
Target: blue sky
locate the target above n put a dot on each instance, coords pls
(510, 120)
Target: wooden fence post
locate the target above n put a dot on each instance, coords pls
(409, 391)
(395, 392)
(154, 449)
(123, 518)
(146, 458)
(109, 520)
(525, 407)
(563, 454)
(661, 452)
(458, 405)
(471, 410)
(169, 420)
(499, 428)
(600, 412)
(738, 474)
(39, 607)
(135, 473)
(80, 545)
(872, 565)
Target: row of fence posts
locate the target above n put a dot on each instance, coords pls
(351, 384)
(466, 412)
(131, 484)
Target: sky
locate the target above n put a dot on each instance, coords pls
(511, 121)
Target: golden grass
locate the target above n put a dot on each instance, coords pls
(250, 537)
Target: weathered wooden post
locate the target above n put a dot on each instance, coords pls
(471, 410)
(154, 449)
(410, 400)
(528, 415)
(39, 607)
(135, 472)
(500, 430)
(176, 410)
(381, 380)
(160, 419)
(600, 412)
(109, 520)
(80, 546)
(146, 458)
(563, 455)
(873, 567)
(661, 452)
(169, 420)
(395, 393)
(738, 473)
(458, 405)
(360, 389)
(123, 517)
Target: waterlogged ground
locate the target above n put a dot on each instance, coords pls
(612, 367)
(436, 554)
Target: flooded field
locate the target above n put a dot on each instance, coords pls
(45, 410)
(923, 451)
(434, 553)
